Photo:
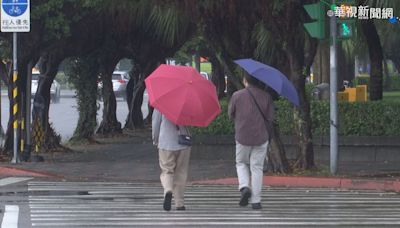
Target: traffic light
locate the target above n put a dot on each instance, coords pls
(345, 26)
(317, 12)
(345, 29)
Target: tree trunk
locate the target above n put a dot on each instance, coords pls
(218, 76)
(342, 67)
(133, 80)
(387, 75)
(5, 72)
(85, 81)
(197, 62)
(8, 142)
(302, 118)
(43, 135)
(109, 124)
(3, 81)
(321, 63)
(135, 117)
(136, 108)
(301, 50)
(325, 62)
(149, 115)
(277, 161)
(20, 115)
(376, 58)
(135, 98)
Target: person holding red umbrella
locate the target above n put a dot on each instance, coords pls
(181, 97)
(251, 109)
(173, 158)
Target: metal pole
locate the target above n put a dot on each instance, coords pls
(333, 98)
(15, 159)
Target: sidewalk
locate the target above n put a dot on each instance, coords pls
(136, 159)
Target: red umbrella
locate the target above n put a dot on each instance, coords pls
(183, 95)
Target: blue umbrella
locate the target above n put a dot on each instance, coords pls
(272, 77)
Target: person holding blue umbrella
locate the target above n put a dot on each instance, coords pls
(252, 112)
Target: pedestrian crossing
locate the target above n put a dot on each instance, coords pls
(121, 204)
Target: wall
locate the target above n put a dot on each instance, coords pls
(354, 148)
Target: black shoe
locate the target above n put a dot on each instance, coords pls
(245, 195)
(256, 206)
(167, 201)
(181, 208)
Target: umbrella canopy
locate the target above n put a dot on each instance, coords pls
(272, 77)
(183, 95)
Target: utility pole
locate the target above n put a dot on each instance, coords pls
(14, 18)
(333, 96)
(15, 158)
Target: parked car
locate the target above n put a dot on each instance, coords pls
(120, 80)
(55, 88)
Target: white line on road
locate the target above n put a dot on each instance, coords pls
(10, 219)
(13, 180)
(97, 204)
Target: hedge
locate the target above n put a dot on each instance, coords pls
(372, 118)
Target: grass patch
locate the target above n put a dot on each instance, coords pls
(391, 96)
(204, 67)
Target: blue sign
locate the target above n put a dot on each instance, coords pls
(14, 8)
(393, 20)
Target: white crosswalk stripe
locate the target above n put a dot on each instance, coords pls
(117, 204)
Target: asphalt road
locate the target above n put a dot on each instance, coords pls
(64, 115)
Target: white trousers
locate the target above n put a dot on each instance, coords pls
(249, 168)
(174, 171)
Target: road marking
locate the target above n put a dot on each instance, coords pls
(10, 219)
(13, 180)
(110, 204)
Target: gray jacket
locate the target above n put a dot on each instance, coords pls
(165, 133)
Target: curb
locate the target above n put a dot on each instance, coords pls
(11, 171)
(317, 182)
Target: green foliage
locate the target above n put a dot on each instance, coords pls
(309, 88)
(64, 81)
(320, 117)
(195, 45)
(359, 118)
(284, 117)
(266, 46)
(221, 125)
(370, 118)
(375, 118)
(169, 22)
(5, 50)
(82, 73)
(394, 84)
(57, 16)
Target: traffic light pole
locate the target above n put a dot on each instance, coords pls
(333, 97)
